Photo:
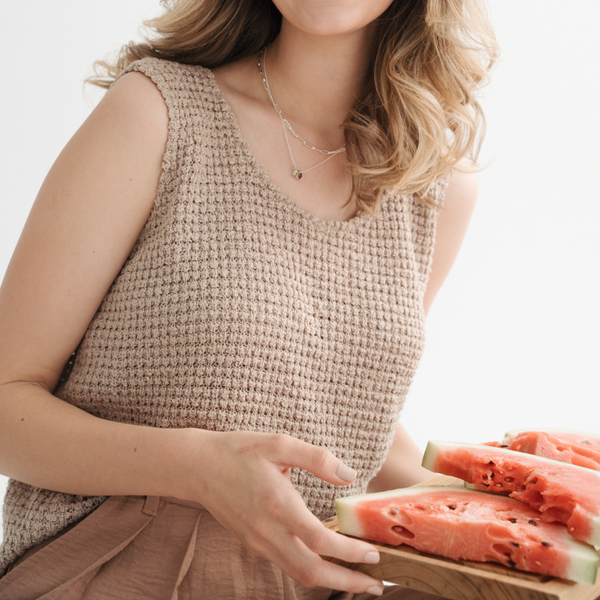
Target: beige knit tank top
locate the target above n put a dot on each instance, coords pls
(237, 309)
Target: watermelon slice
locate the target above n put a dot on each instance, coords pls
(468, 525)
(567, 446)
(577, 437)
(561, 492)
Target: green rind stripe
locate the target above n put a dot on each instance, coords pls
(584, 563)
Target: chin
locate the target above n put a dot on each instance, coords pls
(331, 17)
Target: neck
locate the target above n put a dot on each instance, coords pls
(314, 79)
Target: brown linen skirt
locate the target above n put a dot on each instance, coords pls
(154, 548)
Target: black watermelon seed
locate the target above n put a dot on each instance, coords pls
(491, 462)
(504, 446)
(512, 563)
(451, 506)
(546, 544)
(532, 522)
(517, 545)
(514, 520)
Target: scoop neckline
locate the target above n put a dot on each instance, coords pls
(360, 217)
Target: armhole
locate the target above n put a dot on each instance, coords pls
(424, 222)
(155, 69)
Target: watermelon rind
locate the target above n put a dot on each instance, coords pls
(584, 559)
(434, 447)
(584, 565)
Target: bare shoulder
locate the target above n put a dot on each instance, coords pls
(97, 197)
(135, 101)
(462, 189)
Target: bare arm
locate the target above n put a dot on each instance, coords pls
(452, 224)
(84, 223)
(402, 467)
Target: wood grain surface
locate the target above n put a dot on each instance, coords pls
(465, 580)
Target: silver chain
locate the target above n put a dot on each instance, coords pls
(262, 69)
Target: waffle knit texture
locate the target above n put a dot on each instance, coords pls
(239, 310)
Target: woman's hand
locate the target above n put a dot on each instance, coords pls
(244, 481)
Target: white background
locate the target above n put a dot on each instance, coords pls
(513, 335)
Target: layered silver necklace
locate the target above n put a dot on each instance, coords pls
(297, 173)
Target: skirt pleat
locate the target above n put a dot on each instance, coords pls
(151, 548)
(147, 548)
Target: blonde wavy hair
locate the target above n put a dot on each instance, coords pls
(416, 118)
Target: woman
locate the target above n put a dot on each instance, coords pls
(219, 326)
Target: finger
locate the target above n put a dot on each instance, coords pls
(315, 536)
(270, 536)
(293, 452)
(309, 570)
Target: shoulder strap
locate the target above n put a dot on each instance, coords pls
(184, 89)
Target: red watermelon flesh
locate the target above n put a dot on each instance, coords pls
(569, 447)
(576, 437)
(561, 492)
(468, 525)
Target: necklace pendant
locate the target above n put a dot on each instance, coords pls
(297, 173)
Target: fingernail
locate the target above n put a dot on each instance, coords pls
(375, 590)
(372, 558)
(345, 472)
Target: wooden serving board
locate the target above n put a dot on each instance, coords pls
(465, 580)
